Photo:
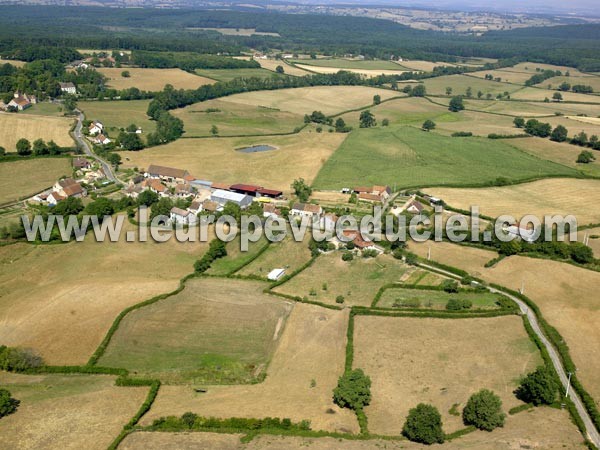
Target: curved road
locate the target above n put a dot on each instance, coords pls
(592, 432)
(83, 143)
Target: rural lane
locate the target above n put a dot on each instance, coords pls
(87, 149)
(592, 432)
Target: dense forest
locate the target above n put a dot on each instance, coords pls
(180, 31)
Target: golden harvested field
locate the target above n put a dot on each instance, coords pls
(460, 83)
(365, 72)
(551, 196)
(460, 361)
(508, 75)
(17, 126)
(478, 123)
(288, 254)
(566, 295)
(67, 411)
(357, 280)
(286, 392)
(327, 99)
(271, 64)
(214, 331)
(531, 67)
(19, 179)
(533, 109)
(65, 310)
(216, 159)
(424, 66)
(560, 152)
(586, 80)
(539, 94)
(539, 428)
(590, 125)
(152, 79)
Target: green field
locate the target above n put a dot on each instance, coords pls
(230, 74)
(460, 83)
(119, 114)
(235, 258)
(399, 297)
(217, 331)
(234, 119)
(350, 64)
(406, 156)
(45, 109)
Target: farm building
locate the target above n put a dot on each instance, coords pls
(246, 189)
(270, 193)
(81, 163)
(222, 197)
(156, 186)
(306, 210)
(183, 217)
(95, 128)
(21, 101)
(270, 210)
(68, 187)
(167, 174)
(68, 88)
(414, 207)
(275, 274)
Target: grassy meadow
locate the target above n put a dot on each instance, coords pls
(406, 156)
(215, 331)
(152, 79)
(119, 114)
(230, 74)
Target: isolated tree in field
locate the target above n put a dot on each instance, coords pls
(376, 99)
(301, 189)
(385, 122)
(456, 104)
(519, 122)
(418, 91)
(484, 411)
(448, 90)
(538, 387)
(559, 134)
(279, 69)
(469, 92)
(23, 147)
(585, 157)
(564, 86)
(214, 130)
(428, 125)
(557, 97)
(353, 390)
(479, 94)
(8, 405)
(114, 159)
(450, 286)
(367, 119)
(580, 139)
(126, 74)
(424, 424)
(340, 126)
(394, 85)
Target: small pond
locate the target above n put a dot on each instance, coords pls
(257, 148)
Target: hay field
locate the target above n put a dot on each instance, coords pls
(286, 392)
(590, 125)
(230, 74)
(533, 109)
(391, 350)
(236, 258)
(506, 75)
(539, 94)
(586, 80)
(566, 295)
(406, 157)
(559, 152)
(350, 64)
(152, 79)
(327, 99)
(119, 114)
(423, 66)
(479, 123)
(67, 411)
(235, 119)
(365, 72)
(460, 83)
(17, 126)
(435, 299)
(357, 280)
(45, 109)
(531, 67)
(19, 179)
(552, 196)
(539, 428)
(215, 331)
(288, 254)
(215, 159)
(271, 64)
(65, 310)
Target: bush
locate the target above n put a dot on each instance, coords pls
(8, 405)
(538, 387)
(18, 360)
(455, 304)
(484, 410)
(462, 134)
(347, 256)
(339, 299)
(450, 286)
(424, 425)
(353, 390)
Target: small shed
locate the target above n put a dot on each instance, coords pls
(275, 274)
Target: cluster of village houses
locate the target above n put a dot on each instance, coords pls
(87, 174)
